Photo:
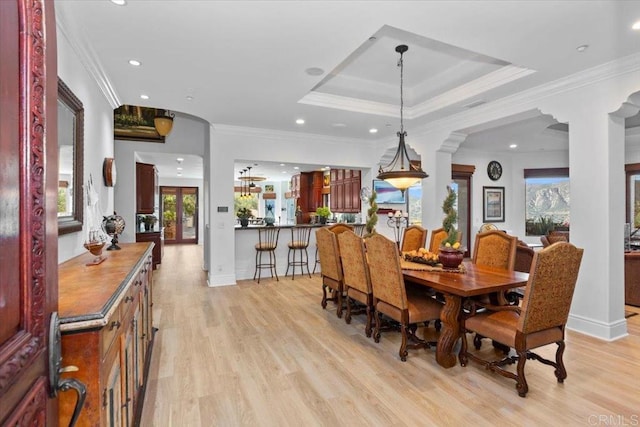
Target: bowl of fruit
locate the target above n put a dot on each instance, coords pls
(421, 256)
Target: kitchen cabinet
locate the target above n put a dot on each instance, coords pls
(107, 332)
(632, 278)
(146, 188)
(158, 249)
(306, 189)
(345, 190)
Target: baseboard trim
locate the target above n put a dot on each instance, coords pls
(605, 331)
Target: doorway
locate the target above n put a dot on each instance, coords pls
(179, 214)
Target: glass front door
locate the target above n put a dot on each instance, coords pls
(180, 214)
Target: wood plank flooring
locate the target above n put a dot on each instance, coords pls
(268, 355)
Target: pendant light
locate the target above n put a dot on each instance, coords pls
(241, 185)
(245, 195)
(164, 123)
(400, 172)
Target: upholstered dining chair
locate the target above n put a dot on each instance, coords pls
(298, 245)
(391, 298)
(495, 249)
(540, 321)
(357, 280)
(524, 258)
(413, 238)
(330, 268)
(337, 229)
(553, 237)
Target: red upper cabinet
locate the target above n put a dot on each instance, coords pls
(146, 188)
(345, 190)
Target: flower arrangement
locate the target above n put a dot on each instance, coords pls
(450, 218)
(323, 212)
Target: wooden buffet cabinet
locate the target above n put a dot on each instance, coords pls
(107, 332)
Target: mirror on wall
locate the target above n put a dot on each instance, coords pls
(70, 159)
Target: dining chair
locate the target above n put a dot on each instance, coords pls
(553, 237)
(298, 244)
(357, 279)
(391, 298)
(267, 243)
(330, 268)
(538, 322)
(337, 229)
(413, 238)
(524, 258)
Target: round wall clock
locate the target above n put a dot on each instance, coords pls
(494, 170)
(109, 171)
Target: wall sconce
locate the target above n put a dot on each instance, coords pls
(164, 123)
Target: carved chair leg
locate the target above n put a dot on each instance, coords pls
(324, 296)
(339, 310)
(403, 347)
(438, 325)
(462, 354)
(376, 332)
(367, 328)
(347, 317)
(521, 384)
(561, 372)
(477, 341)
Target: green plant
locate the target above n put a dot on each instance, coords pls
(189, 204)
(323, 212)
(150, 219)
(168, 217)
(244, 213)
(450, 218)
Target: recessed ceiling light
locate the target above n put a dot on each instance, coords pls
(179, 173)
(135, 62)
(636, 26)
(284, 171)
(339, 125)
(582, 48)
(143, 96)
(300, 121)
(179, 169)
(179, 160)
(373, 130)
(119, 2)
(513, 146)
(296, 167)
(314, 71)
(281, 164)
(189, 98)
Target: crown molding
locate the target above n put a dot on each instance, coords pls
(345, 103)
(452, 143)
(78, 42)
(283, 136)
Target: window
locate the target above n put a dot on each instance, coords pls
(547, 199)
(632, 172)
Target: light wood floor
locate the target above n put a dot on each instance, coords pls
(268, 355)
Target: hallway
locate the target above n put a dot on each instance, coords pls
(268, 355)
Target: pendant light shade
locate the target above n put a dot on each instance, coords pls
(400, 172)
(164, 123)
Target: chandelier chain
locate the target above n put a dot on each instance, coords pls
(401, 65)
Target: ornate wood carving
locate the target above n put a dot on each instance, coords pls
(31, 411)
(450, 330)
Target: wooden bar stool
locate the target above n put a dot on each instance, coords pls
(299, 243)
(267, 242)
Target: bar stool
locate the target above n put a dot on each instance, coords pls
(267, 242)
(299, 243)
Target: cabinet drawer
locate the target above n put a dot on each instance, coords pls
(111, 331)
(129, 299)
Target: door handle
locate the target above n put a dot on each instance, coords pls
(56, 383)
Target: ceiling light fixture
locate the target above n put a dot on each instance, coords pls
(143, 96)
(179, 159)
(119, 2)
(164, 123)
(400, 172)
(513, 146)
(636, 26)
(135, 62)
(241, 184)
(582, 48)
(314, 71)
(373, 130)
(300, 121)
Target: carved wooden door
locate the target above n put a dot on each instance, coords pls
(28, 228)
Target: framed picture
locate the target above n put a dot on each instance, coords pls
(493, 204)
(387, 193)
(135, 123)
(268, 188)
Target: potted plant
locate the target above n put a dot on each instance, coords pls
(149, 221)
(244, 214)
(451, 252)
(323, 213)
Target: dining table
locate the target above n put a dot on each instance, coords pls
(468, 281)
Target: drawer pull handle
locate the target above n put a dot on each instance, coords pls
(69, 368)
(128, 298)
(114, 325)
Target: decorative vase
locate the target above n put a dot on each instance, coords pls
(450, 258)
(147, 226)
(95, 248)
(269, 221)
(323, 220)
(244, 222)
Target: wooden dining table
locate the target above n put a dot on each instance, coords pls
(456, 286)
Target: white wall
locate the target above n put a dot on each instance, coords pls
(98, 138)
(188, 136)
